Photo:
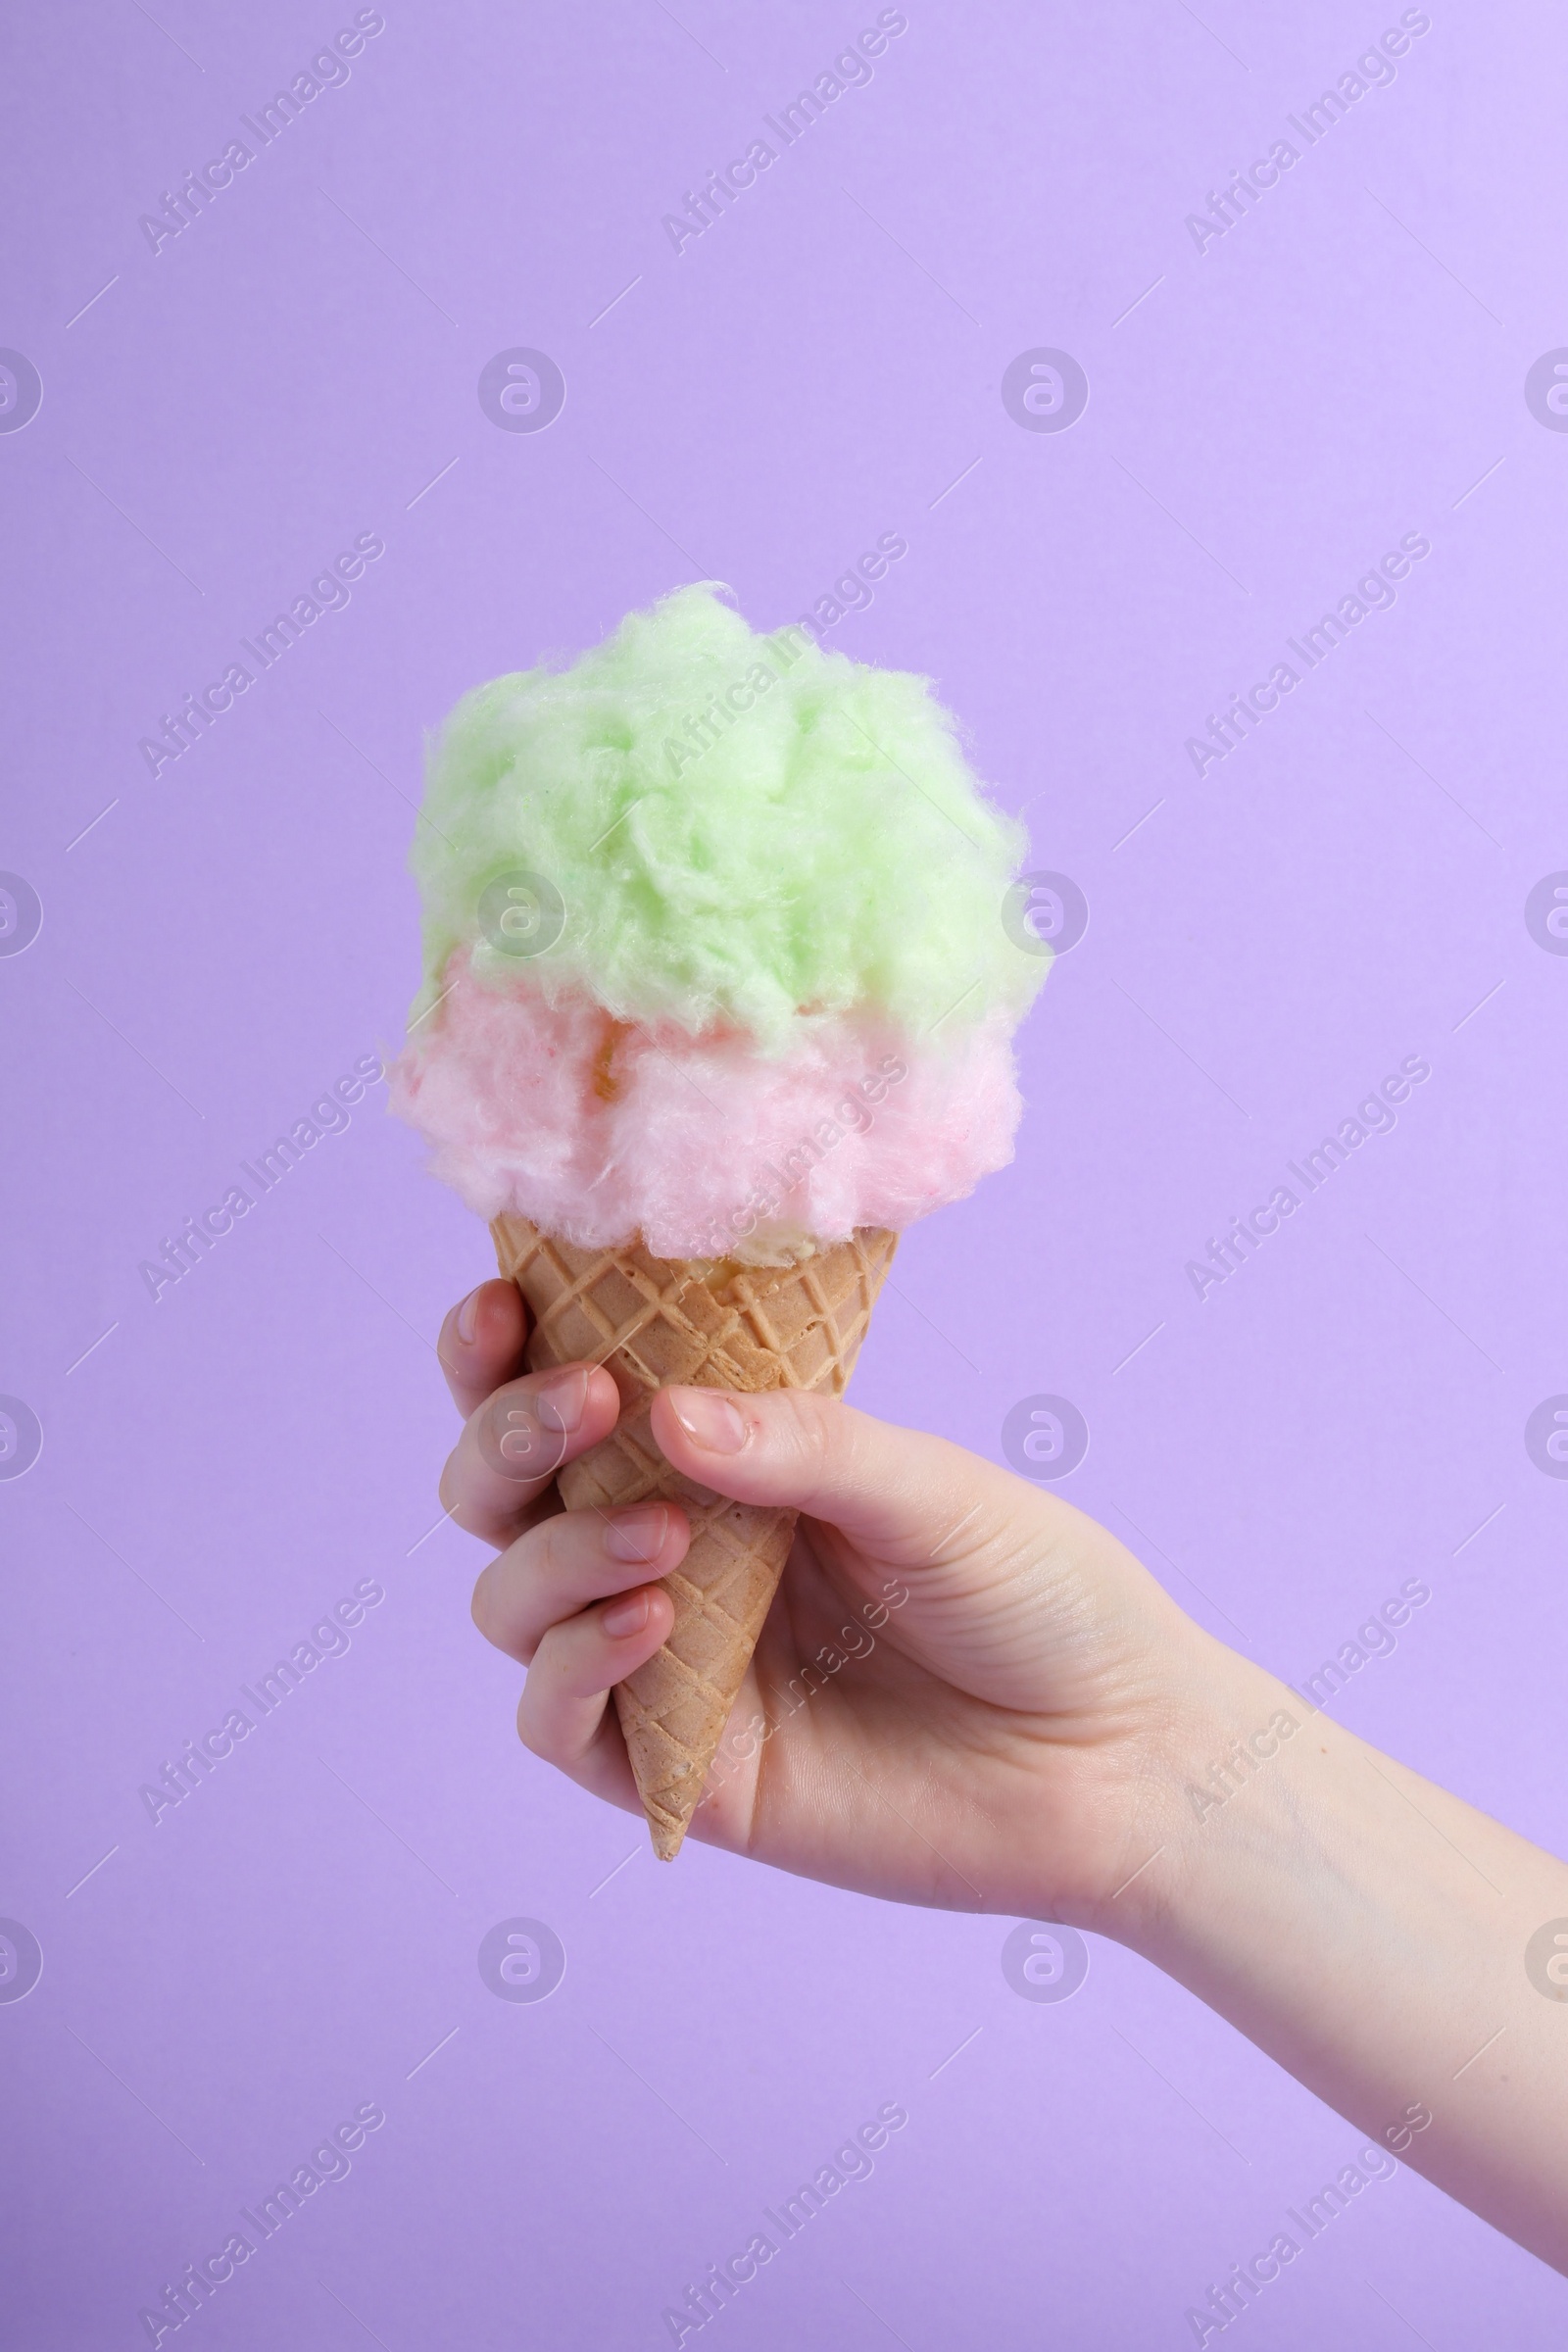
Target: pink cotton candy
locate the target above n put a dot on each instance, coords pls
(599, 1132)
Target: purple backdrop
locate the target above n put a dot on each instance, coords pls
(1351, 356)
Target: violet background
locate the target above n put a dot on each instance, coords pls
(1265, 419)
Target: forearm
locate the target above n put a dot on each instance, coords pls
(1371, 1933)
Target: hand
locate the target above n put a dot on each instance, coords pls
(965, 1690)
(967, 1693)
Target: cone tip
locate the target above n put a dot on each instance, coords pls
(667, 1836)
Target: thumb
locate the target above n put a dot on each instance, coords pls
(899, 1490)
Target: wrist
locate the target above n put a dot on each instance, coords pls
(1225, 1729)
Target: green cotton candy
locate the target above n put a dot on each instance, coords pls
(739, 828)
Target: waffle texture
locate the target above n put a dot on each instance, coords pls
(654, 1322)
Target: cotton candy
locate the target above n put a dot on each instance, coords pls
(597, 1130)
(822, 848)
(714, 944)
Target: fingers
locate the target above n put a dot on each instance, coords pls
(515, 1441)
(481, 1342)
(894, 1488)
(562, 1712)
(571, 1560)
(571, 1599)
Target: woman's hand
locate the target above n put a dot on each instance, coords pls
(965, 1692)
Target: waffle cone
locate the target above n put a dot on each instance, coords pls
(717, 1324)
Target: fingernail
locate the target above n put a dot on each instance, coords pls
(562, 1401)
(636, 1535)
(469, 1317)
(710, 1420)
(628, 1616)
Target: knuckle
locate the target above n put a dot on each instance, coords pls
(516, 1443)
(505, 1613)
(538, 1549)
(529, 1734)
(811, 1426)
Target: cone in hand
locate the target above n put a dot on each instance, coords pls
(654, 1322)
(750, 973)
